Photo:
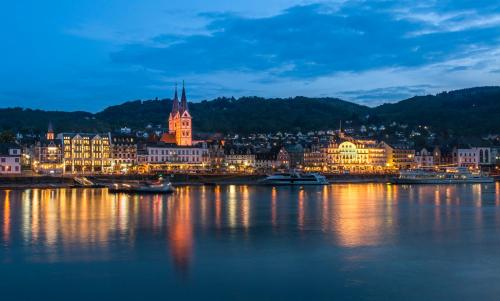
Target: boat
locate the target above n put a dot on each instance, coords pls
(456, 175)
(159, 186)
(294, 178)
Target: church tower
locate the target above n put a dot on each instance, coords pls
(50, 132)
(183, 133)
(179, 122)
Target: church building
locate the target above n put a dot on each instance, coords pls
(179, 122)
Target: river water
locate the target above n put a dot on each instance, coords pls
(337, 242)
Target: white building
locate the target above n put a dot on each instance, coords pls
(424, 158)
(10, 159)
(173, 157)
(475, 157)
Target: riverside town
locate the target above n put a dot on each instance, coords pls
(173, 148)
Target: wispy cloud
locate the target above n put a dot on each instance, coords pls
(365, 51)
(307, 41)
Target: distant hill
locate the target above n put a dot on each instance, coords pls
(243, 115)
(463, 112)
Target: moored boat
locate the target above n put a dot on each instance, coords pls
(147, 187)
(457, 175)
(295, 178)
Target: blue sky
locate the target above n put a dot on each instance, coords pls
(88, 54)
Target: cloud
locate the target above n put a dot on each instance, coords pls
(311, 41)
(387, 94)
(365, 51)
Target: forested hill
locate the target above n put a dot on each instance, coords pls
(225, 115)
(468, 111)
(464, 112)
(244, 115)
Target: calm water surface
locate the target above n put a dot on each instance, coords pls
(339, 242)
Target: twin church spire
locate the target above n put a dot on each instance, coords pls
(182, 106)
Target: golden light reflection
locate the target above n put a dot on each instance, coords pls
(96, 223)
(300, 215)
(245, 207)
(477, 194)
(437, 208)
(6, 218)
(274, 196)
(325, 214)
(180, 229)
(204, 207)
(218, 207)
(232, 203)
(359, 218)
(497, 193)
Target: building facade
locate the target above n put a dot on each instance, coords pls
(476, 157)
(123, 151)
(398, 156)
(467, 157)
(48, 155)
(239, 159)
(352, 155)
(424, 158)
(313, 158)
(85, 153)
(10, 159)
(172, 157)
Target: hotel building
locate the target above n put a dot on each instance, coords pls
(345, 153)
(85, 153)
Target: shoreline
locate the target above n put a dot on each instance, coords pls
(55, 182)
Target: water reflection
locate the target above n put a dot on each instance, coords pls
(92, 225)
(180, 230)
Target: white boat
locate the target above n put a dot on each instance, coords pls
(154, 187)
(456, 175)
(295, 178)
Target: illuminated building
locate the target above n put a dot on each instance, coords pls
(240, 159)
(10, 159)
(344, 153)
(171, 157)
(47, 154)
(216, 154)
(313, 158)
(283, 158)
(179, 122)
(85, 152)
(398, 156)
(123, 151)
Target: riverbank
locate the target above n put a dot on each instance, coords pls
(23, 182)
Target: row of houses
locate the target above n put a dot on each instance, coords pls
(486, 158)
(73, 153)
